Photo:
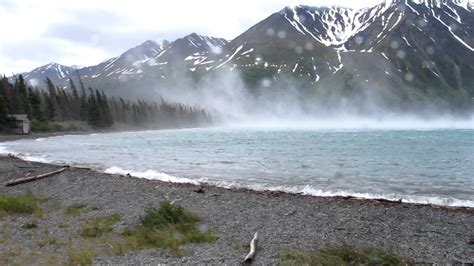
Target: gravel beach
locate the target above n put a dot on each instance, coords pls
(428, 234)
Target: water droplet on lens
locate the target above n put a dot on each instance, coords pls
(401, 54)
(270, 32)
(266, 82)
(282, 34)
(430, 50)
(394, 44)
(216, 50)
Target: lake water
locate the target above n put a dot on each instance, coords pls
(423, 166)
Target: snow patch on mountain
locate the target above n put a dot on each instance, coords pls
(332, 26)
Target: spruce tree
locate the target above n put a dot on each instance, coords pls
(76, 102)
(52, 108)
(22, 95)
(93, 112)
(108, 118)
(3, 111)
(35, 103)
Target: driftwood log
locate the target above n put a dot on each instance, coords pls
(22, 180)
(253, 249)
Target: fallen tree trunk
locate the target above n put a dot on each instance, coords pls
(22, 180)
(253, 248)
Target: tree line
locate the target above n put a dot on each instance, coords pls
(56, 104)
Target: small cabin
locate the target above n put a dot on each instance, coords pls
(19, 124)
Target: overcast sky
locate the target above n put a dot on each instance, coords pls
(86, 32)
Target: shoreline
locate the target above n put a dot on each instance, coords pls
(267, 192)
(376, 198)
(430, 234)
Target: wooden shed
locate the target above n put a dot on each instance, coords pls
(19, 124)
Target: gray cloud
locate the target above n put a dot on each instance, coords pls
(40, 50)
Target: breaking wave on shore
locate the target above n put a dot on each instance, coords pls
(302, 190)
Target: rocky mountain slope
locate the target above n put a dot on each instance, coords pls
(400, 53)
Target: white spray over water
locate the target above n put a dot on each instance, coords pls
(283, 105)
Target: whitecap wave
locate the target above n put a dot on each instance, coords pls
(151, 175)
(4, 150)
(25, 156)
(311, 191)
(32, 158)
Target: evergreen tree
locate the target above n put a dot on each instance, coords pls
(3, 110)
(76, 102)
(52, 108)
(93, 111)
(22, 96)
(3, 100)
(57, 104)
(35, 103)
(108, 119)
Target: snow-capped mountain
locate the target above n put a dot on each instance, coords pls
(56, 72)
(147, 61)
(416, 50)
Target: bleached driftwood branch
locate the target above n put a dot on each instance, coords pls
(253, 248)
(33, 178)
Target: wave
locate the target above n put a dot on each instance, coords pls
(306, 190)
(4, 150)
(311, 191)
(151, 175)
(25, 156)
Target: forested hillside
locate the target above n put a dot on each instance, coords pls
(51, 108)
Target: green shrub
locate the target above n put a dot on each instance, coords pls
(43, 125)
(98, 226)
(343, 255)
(167, 214)
(169, 226)
(28, 204)
(75, 209)
(80, 256)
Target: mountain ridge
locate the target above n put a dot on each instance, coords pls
(418, 50)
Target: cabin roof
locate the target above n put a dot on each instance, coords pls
(19, 117)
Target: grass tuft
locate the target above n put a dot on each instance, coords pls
(80, 256)
(76, 209)
(343, 255)
(167, 214)
(50, 241)
(80, 208)
(169, 226)
(21, 204)
(98, 226)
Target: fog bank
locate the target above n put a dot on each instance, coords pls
(282, 103)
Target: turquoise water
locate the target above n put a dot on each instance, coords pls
(424, 166)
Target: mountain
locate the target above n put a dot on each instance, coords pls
(401, 53)
(147, 62)
(56, 72)
(404, 53)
